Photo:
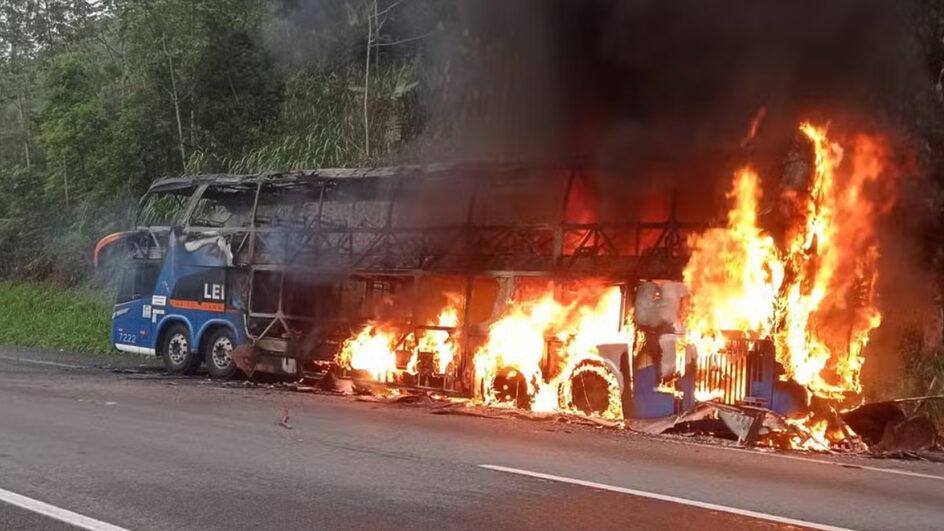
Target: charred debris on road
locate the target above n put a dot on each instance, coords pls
(887, 429)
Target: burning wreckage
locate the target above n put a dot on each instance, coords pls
(504, 285)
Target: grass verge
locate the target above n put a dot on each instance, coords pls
(40, 314)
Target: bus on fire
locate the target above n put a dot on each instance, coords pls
(422, 276)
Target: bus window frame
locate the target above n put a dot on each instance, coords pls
(134, 269)
(251, 187)
(182, 214)
(267, 191)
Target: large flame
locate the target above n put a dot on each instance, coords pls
(735, 274)
(829, 307)
(374, 347)
(815, 296)
(519, 339)
(517, 346)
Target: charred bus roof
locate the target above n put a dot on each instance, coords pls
(460, 217)
(171, 184)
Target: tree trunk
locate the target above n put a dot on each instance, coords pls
(65, 181)
(26, 132)
(176, 99)
(370, 41)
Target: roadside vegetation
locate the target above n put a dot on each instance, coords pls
(44, 314)
(100, 98)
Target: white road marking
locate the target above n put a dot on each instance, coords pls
(63, 515)
(42, 362)
(667, 498)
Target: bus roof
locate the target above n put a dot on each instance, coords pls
(327, 174)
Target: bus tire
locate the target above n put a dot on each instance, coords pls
(218, 349)
(177, 350)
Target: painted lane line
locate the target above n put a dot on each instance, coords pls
(667, 498)
(57, 513)
(42, 362)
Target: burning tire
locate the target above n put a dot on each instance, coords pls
(218, 350)
(593, 389)
(180, 357)
(511, 387)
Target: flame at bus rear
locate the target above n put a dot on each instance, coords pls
(814, 296)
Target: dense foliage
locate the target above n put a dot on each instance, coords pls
(99, 98)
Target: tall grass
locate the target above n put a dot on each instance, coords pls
(924, 366)
(41, 314)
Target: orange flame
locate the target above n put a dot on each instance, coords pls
(735, 274)
(815, 297)
(371, 350)
(374, 348)
(518, 340)
(755, 126)
(440, 342)
(830, 307)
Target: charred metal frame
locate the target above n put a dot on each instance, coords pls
(559, 249)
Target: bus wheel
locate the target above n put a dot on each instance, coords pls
(176, 350)
(219, 349)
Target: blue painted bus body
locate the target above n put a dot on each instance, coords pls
(137, 324)
(762, 384)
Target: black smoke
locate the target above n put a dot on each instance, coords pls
(658, 96)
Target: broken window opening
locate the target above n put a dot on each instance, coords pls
(163, 209)
(224, 207)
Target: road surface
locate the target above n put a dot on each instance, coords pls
(83, 445)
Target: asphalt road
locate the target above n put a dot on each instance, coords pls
(140, 451)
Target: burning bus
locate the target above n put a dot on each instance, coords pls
(501, 282)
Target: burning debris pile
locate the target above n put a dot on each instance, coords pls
(802, 297)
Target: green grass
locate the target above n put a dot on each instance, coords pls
(39, 314)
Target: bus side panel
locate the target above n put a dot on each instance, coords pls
(193, 288)
(132, 319)
(131, 327)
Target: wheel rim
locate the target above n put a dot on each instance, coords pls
(220, 353)
(177, 348)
